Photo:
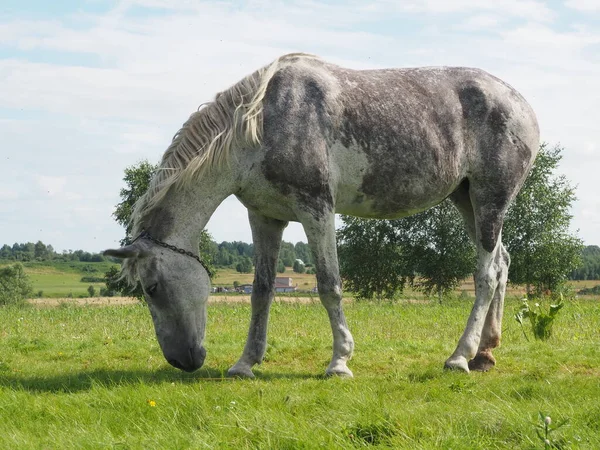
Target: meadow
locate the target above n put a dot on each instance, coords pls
(63, 280)
(94, 377)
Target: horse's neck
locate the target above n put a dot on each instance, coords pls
(185, 211)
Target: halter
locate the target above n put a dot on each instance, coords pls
(145, 235)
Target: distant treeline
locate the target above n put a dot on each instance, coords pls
(42, 252)
(590, 267)
(225, 254)
(230, 254)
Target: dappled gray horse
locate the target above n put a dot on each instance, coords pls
(302, 139)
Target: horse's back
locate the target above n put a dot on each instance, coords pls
(387, 143)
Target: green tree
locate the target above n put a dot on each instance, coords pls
(432, 250)
(298, 266)
(372, 263)
(91, 290)
(303, 252)
(115, 285)
(438, 249)
(137, 180)
(245, 265)
(536, 230)
(590, 265)
(15, 285)
(287, 253)
(280, 266)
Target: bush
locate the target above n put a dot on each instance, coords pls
(590, 291)
(92, 280)
(15, 286)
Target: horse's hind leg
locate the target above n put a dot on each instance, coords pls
(482, 333)
(266, 235)
(492, 329)
(321, 238)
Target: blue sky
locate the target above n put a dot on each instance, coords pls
(88, 88)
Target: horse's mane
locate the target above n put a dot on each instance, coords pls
(204, 141)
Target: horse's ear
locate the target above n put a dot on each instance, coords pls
(129, 251)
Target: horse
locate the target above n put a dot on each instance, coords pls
(302, 139)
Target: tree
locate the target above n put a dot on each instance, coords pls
(15, 286)
(91, 290)
(371, 261)
(536, 230)
(280, 266)
(431, 250)
(287, 253)
(303, 252)
(590, 265)
(439, 249)
(137, 180)
(40, 251)
(298, 266)
(245, 265)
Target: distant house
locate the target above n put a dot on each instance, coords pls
(284, 284)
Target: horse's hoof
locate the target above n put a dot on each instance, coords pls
(339, 371)
(482, 362)
(457, 363)
(240, 372)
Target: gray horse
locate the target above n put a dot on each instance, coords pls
(302, 139)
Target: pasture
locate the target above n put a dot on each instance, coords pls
(94, 377)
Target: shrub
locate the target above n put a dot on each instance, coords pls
(15, 286)
(92, 280)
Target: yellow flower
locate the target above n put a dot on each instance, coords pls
(151, 403)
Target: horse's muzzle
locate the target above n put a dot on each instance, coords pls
(190, 362)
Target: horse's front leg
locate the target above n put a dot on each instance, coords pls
(321, 238)
(266, 235)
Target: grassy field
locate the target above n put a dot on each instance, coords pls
(85, 377)
(63, 279)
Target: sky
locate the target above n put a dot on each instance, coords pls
(88, 88)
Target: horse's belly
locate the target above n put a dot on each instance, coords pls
(395, 188)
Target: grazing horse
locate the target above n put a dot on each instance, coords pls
(302, 139)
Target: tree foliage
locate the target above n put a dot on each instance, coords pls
(590, 264)
(299, 266)
(536, 231)
(440, 251)
(245, 265)
(432, 251)
(15, 285)
(372, 263)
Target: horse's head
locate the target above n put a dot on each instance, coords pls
(176, 288)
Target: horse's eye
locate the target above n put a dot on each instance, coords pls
(150, 290)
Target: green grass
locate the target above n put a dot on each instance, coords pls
(58, 279)
(83, 377)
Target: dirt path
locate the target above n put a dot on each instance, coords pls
(116, 301)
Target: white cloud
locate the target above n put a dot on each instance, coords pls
(141, 76)
(480, 22)
(584, 5)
